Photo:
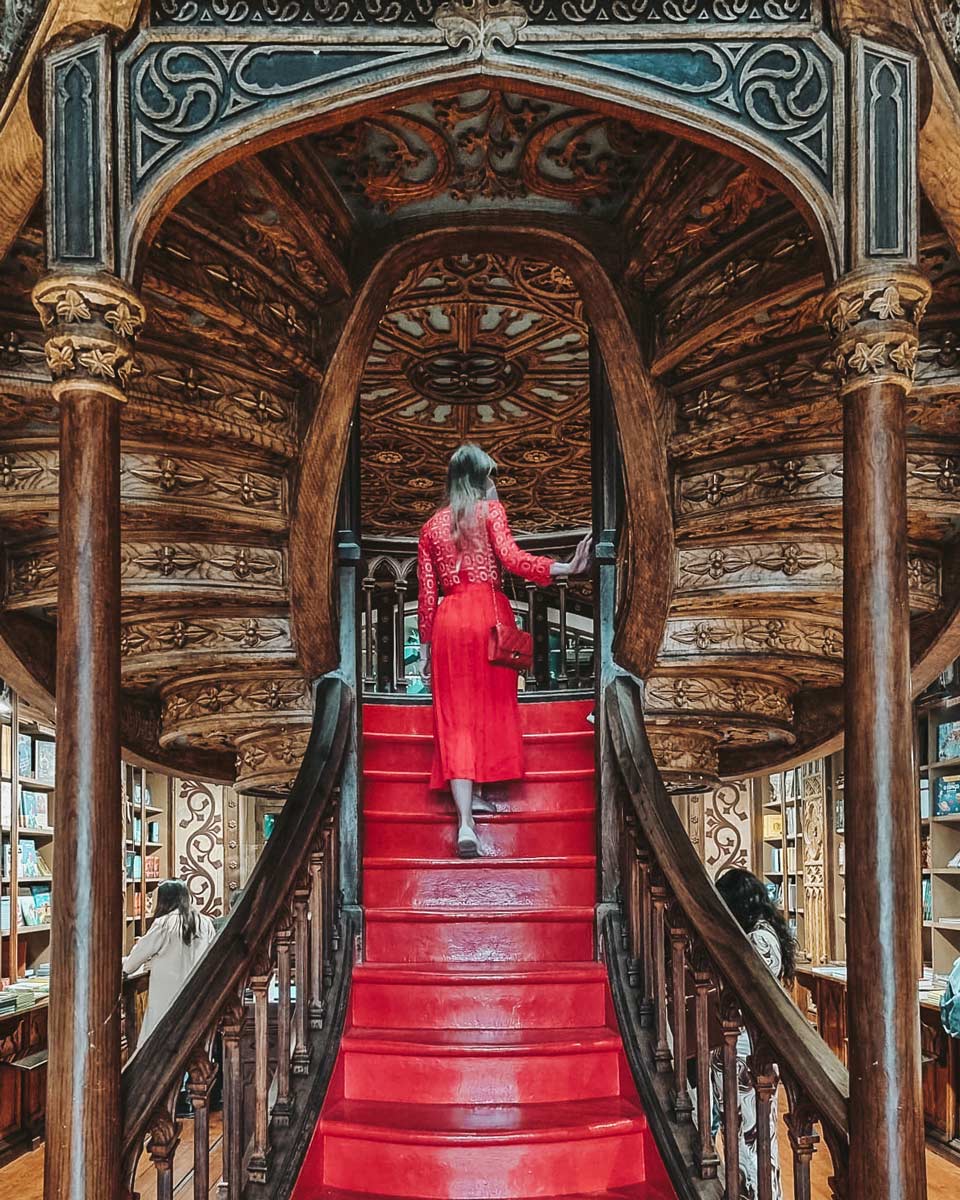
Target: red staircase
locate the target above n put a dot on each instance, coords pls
(481, 1056)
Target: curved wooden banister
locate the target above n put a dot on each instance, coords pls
(280, 924)
(678, 929)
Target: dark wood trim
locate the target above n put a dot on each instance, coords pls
(776, 1019)
(153, 1073)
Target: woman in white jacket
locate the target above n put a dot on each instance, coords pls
(172, 946)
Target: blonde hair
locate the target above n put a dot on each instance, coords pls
(468, 473)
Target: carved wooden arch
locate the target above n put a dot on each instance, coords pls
(649, 572)
(395, 75)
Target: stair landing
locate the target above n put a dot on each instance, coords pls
(481, 1058)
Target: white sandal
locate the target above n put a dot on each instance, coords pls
(468, 844)
(480, 804)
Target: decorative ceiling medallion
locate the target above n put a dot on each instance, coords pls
(485, 348)
(466, 376)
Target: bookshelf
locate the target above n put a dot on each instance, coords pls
(779, 853)
(27, 834)
(938, 747)
(836, 857)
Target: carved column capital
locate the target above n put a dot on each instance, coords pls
(874, 315)
(90, 322)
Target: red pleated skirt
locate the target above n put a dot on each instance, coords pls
(476, 715)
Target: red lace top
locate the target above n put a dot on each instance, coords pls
(438, 554)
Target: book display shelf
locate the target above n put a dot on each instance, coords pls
(146, 805)
(938, 747)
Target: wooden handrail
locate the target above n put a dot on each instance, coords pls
(284, 898)
(678, 928)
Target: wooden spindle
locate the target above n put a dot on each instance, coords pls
(632, 900)
(707, 1159)
(317, 936)
(259, 1161)
(801, 1126)
(284, 1105)
(201, 1076)
(334, 869)
(399, 647)
(682, 1104)
(162, 1145)
(765, 1089)
(562, 677)
(645, 1006)
(231, 1026)
(730, 1025)
(661, 1052)
(303, 1052)
(369, 646)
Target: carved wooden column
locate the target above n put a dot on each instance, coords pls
(873, 314)
(90, 323)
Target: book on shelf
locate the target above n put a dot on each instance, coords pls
(34, 810)
(137, 868)
(41, 900)
(151, 868)
(841, 857)
(926, 898)
(153, 831)
(28, 861)
(137, 904)
(28, 910)
(137, 828)
(128, 866)
(792, 894)
(4, 914)
(924, 799)
(955, 861)
(791, 860)
(776, 859)
(791, 822)
(25, 755)
(46, 756)
(775, 892)
(772, 825)
(948, 740)
(947, 801)
(6, 803)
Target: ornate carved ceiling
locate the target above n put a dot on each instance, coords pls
(491, 349)
(246, 286)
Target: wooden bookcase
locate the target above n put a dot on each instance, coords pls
(27, 834)
(938, 747)
(778, 802)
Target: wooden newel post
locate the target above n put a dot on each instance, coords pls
(873, 315)
(90, 322)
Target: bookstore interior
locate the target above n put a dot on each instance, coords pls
(794, 841)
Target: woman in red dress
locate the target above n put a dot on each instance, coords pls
(476, 716)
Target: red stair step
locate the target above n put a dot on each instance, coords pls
(549, 716)
(479, 996)
(478, 935)
(414, 751)
(638, 1191)
(479, 1151)
(475, 1066)
(480, 882)
(540, 791)
(503, 834)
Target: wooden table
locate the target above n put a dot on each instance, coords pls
(827, 988)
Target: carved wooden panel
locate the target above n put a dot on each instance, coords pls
(213, 710)
(722, 815)
(813, 831)
(157, 569)
(199, 846)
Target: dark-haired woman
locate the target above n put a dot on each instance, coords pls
(172, 946)
(462, 548)
(767, 931)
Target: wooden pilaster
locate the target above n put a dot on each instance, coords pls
(90, 324)
(873, 315)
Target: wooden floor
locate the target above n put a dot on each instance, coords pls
(23, 1178)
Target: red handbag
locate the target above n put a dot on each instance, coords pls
(508, 646)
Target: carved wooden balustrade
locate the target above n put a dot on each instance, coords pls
(285, 938)
(560, 619)
(686, 982)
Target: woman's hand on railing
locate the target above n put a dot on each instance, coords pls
(579, 564)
